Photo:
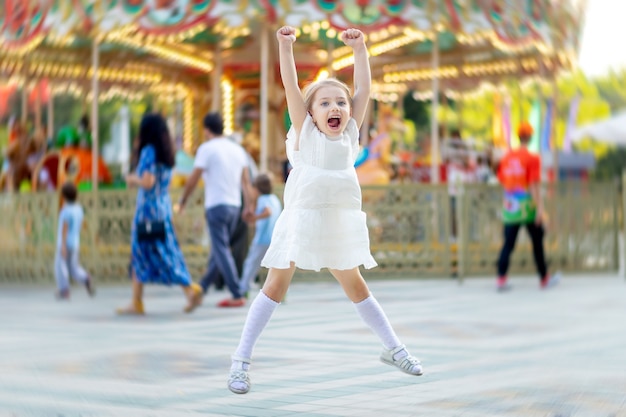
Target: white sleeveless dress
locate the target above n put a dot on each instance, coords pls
(322, 224)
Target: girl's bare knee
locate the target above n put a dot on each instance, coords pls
(353, 284)
(277, 283)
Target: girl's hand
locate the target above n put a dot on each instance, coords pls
(353, 37)
(286, 34)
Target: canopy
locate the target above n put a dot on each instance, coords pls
(170, 46)
(217, 53)
(611, 130)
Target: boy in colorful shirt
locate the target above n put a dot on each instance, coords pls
(519, 172)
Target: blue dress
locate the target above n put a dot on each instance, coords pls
(158, 262)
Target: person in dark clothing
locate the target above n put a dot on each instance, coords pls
(519, 172)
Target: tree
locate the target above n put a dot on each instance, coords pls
(612, 88)
(611, 165)
(416, 111)
(478, 109)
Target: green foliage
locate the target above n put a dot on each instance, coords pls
(69, 110)
(416, 111)
(4, 136)
(612, 88)
(598, 99)
(137, 110)
(611, 165)
(476, 117)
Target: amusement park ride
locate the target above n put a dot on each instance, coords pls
(197, 55)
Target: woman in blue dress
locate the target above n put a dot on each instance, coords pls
(160, 260)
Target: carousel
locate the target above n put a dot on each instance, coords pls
(188, 57)
(191, 56)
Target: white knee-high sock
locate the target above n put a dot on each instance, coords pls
(259, 315)
(373, 315)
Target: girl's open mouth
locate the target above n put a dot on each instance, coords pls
(334, 122)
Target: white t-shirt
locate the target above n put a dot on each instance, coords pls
(457, 176)
(222, 162)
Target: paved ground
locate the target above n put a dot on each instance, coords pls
(525, 353)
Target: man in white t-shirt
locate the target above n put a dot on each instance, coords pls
(223, 165)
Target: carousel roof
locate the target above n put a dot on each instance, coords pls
(171, 46)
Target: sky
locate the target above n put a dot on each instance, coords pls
(603, 37)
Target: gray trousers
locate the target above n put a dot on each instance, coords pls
(222, 221)
(251, 266)
(64, 268)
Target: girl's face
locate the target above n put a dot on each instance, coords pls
(331, 110)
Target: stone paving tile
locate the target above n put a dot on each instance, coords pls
(557, 353)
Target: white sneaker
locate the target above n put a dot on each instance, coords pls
(239, 380)
(406, 363)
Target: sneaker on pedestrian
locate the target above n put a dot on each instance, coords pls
(89, 287)
(550, 281)
(502, 285)
(232, 302)
(63, 294)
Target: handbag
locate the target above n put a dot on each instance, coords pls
(151, 230)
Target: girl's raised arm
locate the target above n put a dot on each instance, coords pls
(295, 102)
(362, 73)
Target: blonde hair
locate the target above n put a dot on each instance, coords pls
(312, 89)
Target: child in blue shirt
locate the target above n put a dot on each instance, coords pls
(66, 260)
(268, 208)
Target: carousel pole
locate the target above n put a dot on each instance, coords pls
(51, 115)
(24, 95)
(330, 48)
(445, 106)
(265, 68)
(95, 61)
(24, 113)
(555, 148)
(37, 107)
(541, 151)
(216, 79)
(520, 103)
(434, 125)
(459, 110)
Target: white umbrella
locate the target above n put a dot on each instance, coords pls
(611, 130)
